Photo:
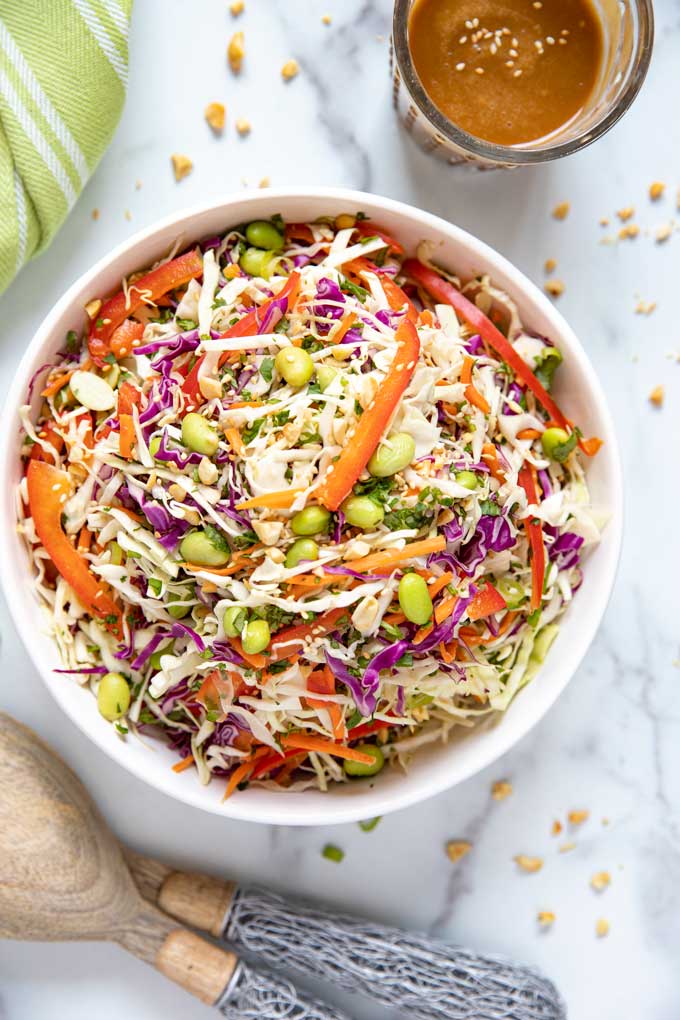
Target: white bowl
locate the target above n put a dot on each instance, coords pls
(437, 767)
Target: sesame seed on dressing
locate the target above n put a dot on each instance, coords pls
(493, 67)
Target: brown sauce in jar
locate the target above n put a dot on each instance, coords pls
(511, 72)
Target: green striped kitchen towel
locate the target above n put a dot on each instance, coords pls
(63, 74)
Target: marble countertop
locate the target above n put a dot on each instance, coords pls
(612, 744)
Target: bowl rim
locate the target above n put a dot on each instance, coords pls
(374, 801)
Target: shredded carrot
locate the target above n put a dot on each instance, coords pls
(56, 385)
(322, 681)
(507, 621)
(257, 661)
(127, 435)
(321, 746)
(243, 771)
(421, 634)
(233, 437)
(133, 516)
(342, 328)
(426, 318)
(440, 583)
(446, 654)
(244, 403)
(273, 500)
(528, 434)
(473, 396)
(84, 539)
(394, 619)
(184, 764)
(445, 608)
(393, 557)
(466, 370)
(490, 457)
(293, 763)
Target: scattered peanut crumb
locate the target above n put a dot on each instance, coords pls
(656, 396)
(545, 918)
(605, 821)
(128, 215)
(138, 185)
(561, 211)
(95, 214)
(289, 70)
(237, 7)
(601, 928)
(529, 864)
(663, 233)
(501, 789)
(554, 287)
(236, 51)
(604, 221)
(556, 828)
(181, 165)
(92, 308)
(456, 849)
(578, 817)
(567, 848)
(264, 182)
(243, 127)
(600, 881)
(550, 265)
(645, 307)
(626, 213)
(656, 190)
(629, 232)
(326, 19)
(215, 114)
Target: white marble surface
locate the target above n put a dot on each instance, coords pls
(612, 744)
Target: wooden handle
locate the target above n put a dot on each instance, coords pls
(198, 900)
(197, 965)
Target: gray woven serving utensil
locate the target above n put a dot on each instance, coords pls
(419, 976)
(63, 877)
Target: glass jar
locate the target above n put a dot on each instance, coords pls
(628, 33)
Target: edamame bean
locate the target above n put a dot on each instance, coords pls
(558, 444)
(414, 599)
(468, 479)
(358, 768)
(205, 547)
(255, 636)
(389, 459)
(310, 521)
(113, 696)
(325, 376)
(303, 549)
(155, 659)
(178, 612)
(294, 365)
(512, 591)
(257, 263)
(234, 621)
(199, 435)
(362, 512)
(263, 234)
(154, 445)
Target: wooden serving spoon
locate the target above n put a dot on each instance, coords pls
(63, 876)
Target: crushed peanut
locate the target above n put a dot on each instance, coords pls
(645, 307)
(529, 864)
(237, 7)
(138, 185)
(215, 114)
(556, 828)
(554, 287)
(626, 213)
(656, 396)
(578, 817)
(326, 19)
(561, 211)
(501, 789)
(545, 918)
(264, 182)
(550, 265)
(181, 165)
(656, 190)
(243, 127)
(604, 221)
(663, 233)
(628, 232)
(600, 881)
(92, 308)
(207, 471)
(567, 848)
(128, 215)
(601, 928)
(95, 214)
(456, 849)
(177, 492)
(236, 51)
(289, 70)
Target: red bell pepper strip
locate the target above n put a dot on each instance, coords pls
(294, 637)
(48, 490)
(367, 228)
(322, 681)
(396, 297)
(534, 531)
(247, 326)
(147, 288)
(487, 601)
(128, 397)
(50, 435)
(443, 291)
(125, 336)
(360, 444)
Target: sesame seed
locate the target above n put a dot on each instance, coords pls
(475, 22)
(565, 31)
(479, 70)
(462, 40)
(493, 48)
(550, 41)
(509, 63)
(517, 73)
(514, 53)
(562, 42)
(537, 5)
(468, 24)
(515, 42)
(460, 67)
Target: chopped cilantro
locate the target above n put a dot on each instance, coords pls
(186, 324)
(370, 824)
(267, 369)
(72, 342)
(311, 344)
(352, 288)
(250, 431)
(216, 538)
(490, 508)
(333, 853)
